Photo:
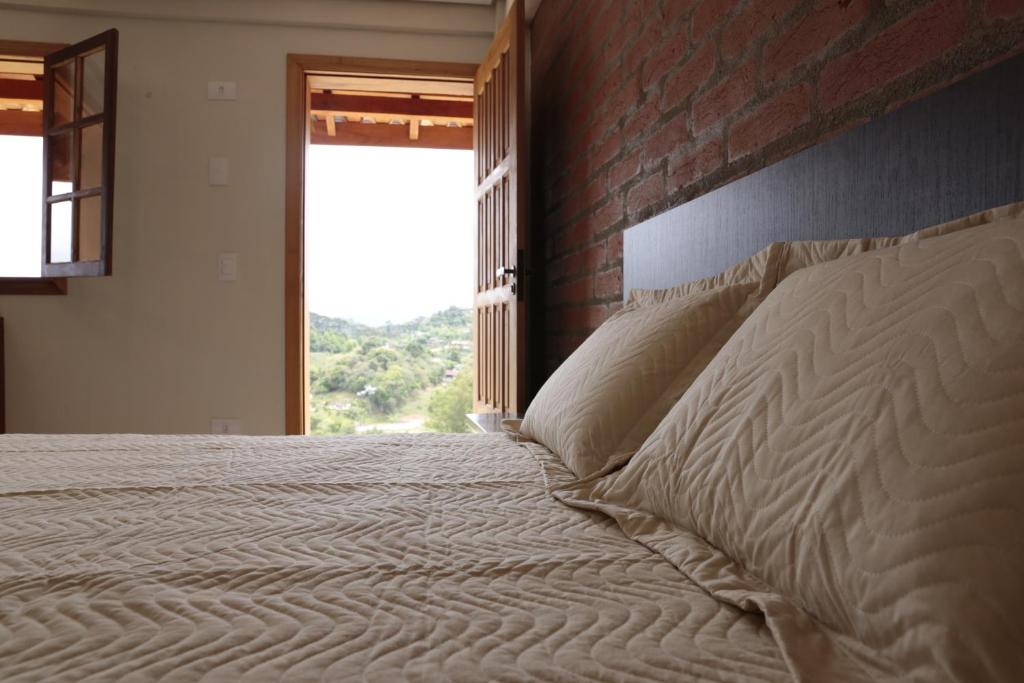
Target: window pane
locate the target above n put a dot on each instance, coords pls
(89, 211)
(21, 220)
(92, 157)
(93, 73)
(63, 92)
(60, 232)
(60, 155)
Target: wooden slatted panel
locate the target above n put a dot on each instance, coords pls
(499, 319)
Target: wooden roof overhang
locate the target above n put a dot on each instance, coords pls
(21, 96)
(391, 112)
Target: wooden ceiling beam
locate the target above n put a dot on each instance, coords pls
(398, 106)
(377, 84)
(384, 135)
(16, 89)
(357, 116)
(13, 122)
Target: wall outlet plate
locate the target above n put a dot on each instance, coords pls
(225, 426)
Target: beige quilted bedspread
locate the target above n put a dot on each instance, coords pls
(425, 558)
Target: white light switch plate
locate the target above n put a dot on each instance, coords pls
(227, 267)
(221, 90)
(218, 171)
(226, 426)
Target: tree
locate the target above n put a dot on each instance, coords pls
(329, 341)
(448, 406)
(399, 361)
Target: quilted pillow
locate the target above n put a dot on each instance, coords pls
(856, 453)
(760, 269)
(610, 394)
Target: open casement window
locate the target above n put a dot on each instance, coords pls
(499, 309)
(79, 103)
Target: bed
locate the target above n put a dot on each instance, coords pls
(489, 557)
(420, 557)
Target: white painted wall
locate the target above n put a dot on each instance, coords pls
(162, 346)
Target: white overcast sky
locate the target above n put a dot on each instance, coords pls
(389, 232)
(21, 187)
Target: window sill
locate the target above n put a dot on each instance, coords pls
(39, 286)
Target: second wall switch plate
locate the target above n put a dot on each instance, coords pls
(221, 90)
(227, 267)
(218, 171)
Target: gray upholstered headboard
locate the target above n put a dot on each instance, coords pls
(956, 152)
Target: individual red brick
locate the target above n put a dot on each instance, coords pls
(709, 14)
(757, 18)
(575, 292)
(633, 17)
(574, 178)
(908, 45)
(578, 234)
(673, 12)
(669, 137)
(585, 318)
(694, 72)
(662, 59)
(1004, 8)
(587, 140)
(590, 30)
(596, 190)
(589, 78)
(624, 170)
(603, 152)
(829, 21)
(613, 248)
(775, 118)
(649, 191)
(691, 166)
(607, 215)
(608, 284)
(582, 232)
(618, 106)
(651, 34)
(725, 98)
(639, 123)
(544, 45)
(574, 205)
(593, 257)
(556, 268)
(606, 18)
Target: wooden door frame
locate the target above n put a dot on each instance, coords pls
(296, 313)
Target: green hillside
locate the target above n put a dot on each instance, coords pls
(411, 376)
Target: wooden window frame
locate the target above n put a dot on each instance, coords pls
(296, 312)
(45, 286)
(108, 42)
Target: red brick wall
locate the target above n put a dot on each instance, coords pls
(640, 105)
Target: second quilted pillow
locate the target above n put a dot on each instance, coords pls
(611, 393)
